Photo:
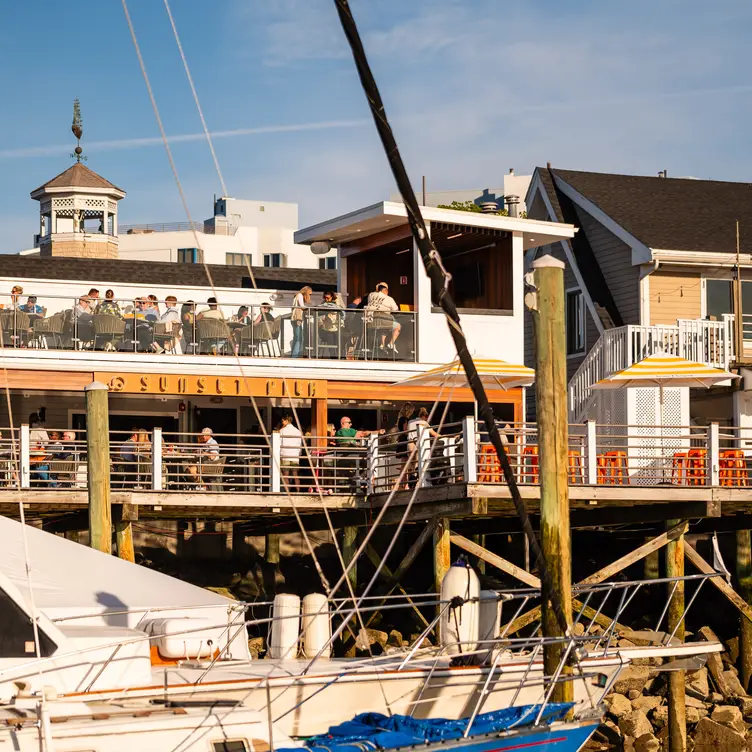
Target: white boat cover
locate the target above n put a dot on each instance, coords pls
(69, 579)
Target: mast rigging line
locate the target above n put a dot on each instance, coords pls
(440, 286)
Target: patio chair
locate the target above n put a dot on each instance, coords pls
(213, 336)
(266, 337)
(212, 474)
(16, 328)
(64, 472)
(380, 326)
(108, 330)
(166, 334)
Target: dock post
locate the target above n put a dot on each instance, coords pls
(553, 449)
(677, 713)
(441, 556)
(349, 546)
(98, 465)
(271, 548)
(124, 535)
(744, 579)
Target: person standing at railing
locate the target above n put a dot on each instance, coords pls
(291, 445)
(382, 303)
(301, 301)
(330, 322)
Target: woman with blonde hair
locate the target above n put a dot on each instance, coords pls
(300, 302)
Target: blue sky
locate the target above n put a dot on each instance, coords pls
(472, 88)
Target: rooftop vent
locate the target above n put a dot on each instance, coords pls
(489, 207)
(512, 203)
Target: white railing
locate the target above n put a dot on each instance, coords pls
(710, 342)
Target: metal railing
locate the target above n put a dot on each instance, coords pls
(188, 328)
(710, 342)
(206, 229)
(377, 462)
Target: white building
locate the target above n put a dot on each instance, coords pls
(259, 233)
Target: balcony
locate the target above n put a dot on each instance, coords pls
(133, 326)
(616, 460)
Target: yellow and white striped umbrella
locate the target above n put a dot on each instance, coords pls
(663, 370)
(495, 375)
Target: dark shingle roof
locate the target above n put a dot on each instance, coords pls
(114, 271)
(78, 176)
(671, 213)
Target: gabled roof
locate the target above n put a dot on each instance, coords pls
(78, 176)
(670, 213)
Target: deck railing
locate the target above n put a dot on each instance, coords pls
(710, 342)
(137, 325)
(378, 463)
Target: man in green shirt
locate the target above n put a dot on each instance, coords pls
(346, 435)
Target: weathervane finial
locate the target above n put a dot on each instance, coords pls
(78, 131)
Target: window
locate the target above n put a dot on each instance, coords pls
(238, 259)
(330, 262)
(719, 298)
(190, 256)
(230, 745)
(575, 322)
(275, 259)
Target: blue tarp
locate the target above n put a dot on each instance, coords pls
(377, 731)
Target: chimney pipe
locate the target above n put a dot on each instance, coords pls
(512, 203)
(511, 171)
(663, 174)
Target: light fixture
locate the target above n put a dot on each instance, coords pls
(452, 237)
(399, 253)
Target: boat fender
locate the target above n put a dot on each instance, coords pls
(317, 626)
(285, 627)
(459, 624)
(489, 620)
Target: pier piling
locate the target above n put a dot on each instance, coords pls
(553, 448)
(677, 716)
(744, 579)
(349, 546)
(98, 465)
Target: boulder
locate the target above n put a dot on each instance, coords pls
(578, 629)
(256, 646)
(395, 639)
(610, 732)
(729, 715)
(647, 743)
(633, 694)
(745, 705)
(635, 724)
(369, 637)
(693, 702)
(696, 683)
(618, 706)
(660, 716)
(624, 643)
(694, 714)
(732, 646)
(715, 697)
(710, 735)
(731, 678)
(646, 703)
(632, 677)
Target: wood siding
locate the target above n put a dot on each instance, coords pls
(675, 295)
(615, 260)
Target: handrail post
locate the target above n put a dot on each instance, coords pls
(712, 477)
(24, 457)
(276, 462)
(424, 456)
(591, 453)
(156, 460)
(372, 462)
(470, 450)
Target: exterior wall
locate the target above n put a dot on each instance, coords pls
(163, 246)
(497, 336)
(94, 248)
(247, 213)
(675, 295)
(615, 260)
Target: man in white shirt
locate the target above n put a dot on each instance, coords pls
(381, 301)
(289, 454)
(208, 454)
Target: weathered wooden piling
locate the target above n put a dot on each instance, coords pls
(126, 513)
(441, 557)
(651, 563)
(271, 548)
(677, 715)
(349, 546)
(744, 580)
(98, 463)
(553, 447)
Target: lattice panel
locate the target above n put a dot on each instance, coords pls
(62, 203)
(94, 203)
(111, 207)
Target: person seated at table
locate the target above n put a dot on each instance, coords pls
(151, 309)
(171, 319)
(208, 453)
(265, 314)
(139, 327)
(242, 317)
(15, 296)
(109, 306)
(381, 302)
(32, 308)
(55, 446)
(68, 449)
(212, 312)
(187, 322)
(39, 458)
(83, 320)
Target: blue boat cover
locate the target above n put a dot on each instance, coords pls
(376, 731)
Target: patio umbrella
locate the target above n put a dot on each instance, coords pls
(495, 374)
(663, 370)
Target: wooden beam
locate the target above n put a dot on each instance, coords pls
(703, 566)
(494, 560)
